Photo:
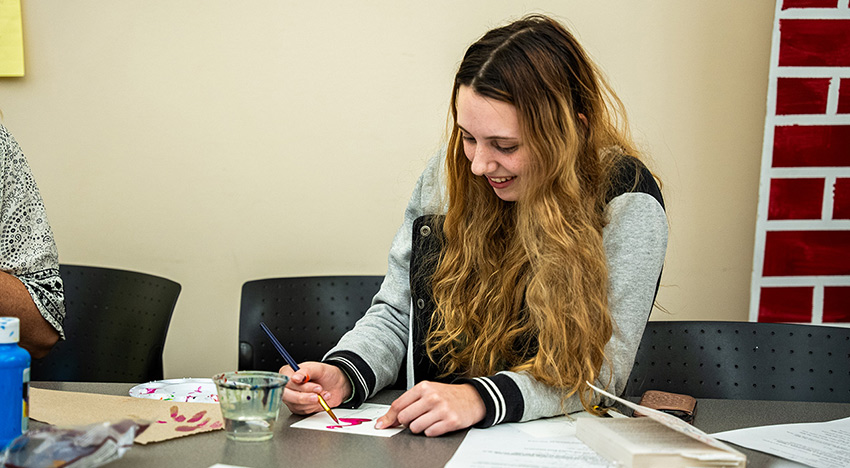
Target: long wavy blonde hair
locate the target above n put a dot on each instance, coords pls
(523, 286)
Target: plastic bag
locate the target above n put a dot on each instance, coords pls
(75, 447)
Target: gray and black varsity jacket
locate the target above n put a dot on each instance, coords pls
(387, 344)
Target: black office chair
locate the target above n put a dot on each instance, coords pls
(115, 327)
(307, 314)
(744, 361)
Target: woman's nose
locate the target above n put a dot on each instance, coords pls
(481, 161)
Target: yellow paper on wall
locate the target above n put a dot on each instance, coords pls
(11, 39)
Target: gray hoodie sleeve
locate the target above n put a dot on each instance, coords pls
(371, 353)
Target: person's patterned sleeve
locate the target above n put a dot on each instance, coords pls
(27, 248)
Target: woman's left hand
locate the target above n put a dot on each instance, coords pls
(435, 408)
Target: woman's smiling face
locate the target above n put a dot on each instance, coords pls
(492, 142)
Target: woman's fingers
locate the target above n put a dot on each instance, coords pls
(301, 402)
(434, 409)
(312, 379)
(391, 418)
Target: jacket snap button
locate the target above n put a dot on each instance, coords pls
(425, 230)
(420, 303)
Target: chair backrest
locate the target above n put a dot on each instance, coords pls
(307, 314)
(744, 361)
(115, 327)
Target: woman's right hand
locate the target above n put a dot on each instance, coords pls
(312, 379)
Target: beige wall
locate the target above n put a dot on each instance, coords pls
(214, 142)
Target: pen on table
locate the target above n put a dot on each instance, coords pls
(280, 349)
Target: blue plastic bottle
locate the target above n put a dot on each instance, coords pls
(14, 382)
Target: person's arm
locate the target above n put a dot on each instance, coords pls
(30, 287)
(372, 352)
(37, 335)
(635, 242)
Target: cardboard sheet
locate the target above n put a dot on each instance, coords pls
(168, 419)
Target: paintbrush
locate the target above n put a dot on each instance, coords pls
(280, 349)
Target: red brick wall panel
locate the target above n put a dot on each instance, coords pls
(811, 146)
(803, 275)
(795, 199)
(786, 304)
(786, 4)
(814, 43)
(806, 253)
(801, 95)
(844, 96)
(836, 304)
(841, 199)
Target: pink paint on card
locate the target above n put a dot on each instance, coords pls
(350, 421)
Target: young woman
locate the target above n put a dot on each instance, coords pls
(529, 257)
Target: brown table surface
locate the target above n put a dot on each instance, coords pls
(300, 447)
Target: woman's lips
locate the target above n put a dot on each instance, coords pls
(500, 182)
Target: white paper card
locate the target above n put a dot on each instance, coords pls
(352, 421)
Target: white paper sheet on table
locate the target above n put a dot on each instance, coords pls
(371, 411)
(542, 443)
(821, 445)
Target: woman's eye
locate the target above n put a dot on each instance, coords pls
(467, 138)
(506, 149)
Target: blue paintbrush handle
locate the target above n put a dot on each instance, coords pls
(279, 347)
(294, 366)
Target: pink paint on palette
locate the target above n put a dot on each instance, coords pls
(183, 390)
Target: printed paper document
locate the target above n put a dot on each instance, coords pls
(825, 444)
(542, 443)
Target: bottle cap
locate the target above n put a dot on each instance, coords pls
(10, 330)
